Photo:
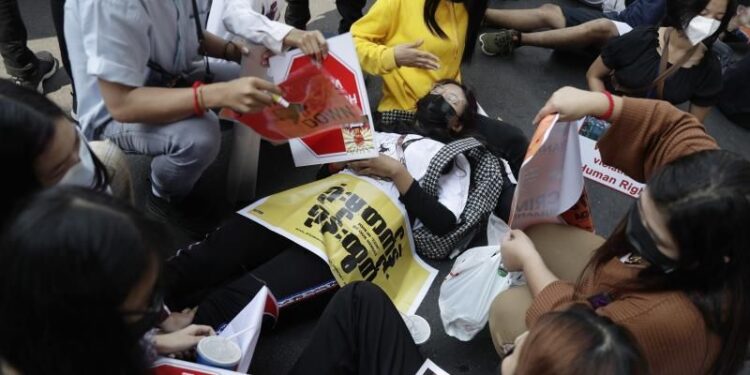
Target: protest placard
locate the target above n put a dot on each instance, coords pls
(352, 141)
(357, 228)
(310, 105)
(550, 183)
(594, 169)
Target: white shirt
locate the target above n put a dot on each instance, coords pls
(454, 185)
(253, 20)
(114, 40)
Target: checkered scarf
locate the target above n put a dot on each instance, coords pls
(485, 188)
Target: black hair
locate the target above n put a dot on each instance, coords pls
(475, 9)
(680, 12)
(27, 125)
(705, 198)
(579, 341)
(67, 264)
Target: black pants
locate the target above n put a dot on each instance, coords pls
(221, 273)
(360, 332)
(58, 18)
(298, 13)
(18, 58)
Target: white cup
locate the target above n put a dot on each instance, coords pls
(218, 352)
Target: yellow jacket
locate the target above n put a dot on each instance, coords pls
(393, 22)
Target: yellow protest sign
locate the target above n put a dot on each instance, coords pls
(359, 229)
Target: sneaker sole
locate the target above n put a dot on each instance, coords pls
(481, 47)
(48, 75)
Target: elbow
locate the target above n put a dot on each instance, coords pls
(121, 114)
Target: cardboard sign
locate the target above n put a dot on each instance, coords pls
(352, 141)
(314, 105)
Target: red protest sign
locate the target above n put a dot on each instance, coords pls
(315, 105)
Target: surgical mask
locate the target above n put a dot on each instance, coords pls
(434, 112)
(82, 174)
(645, 246)
(701, 28)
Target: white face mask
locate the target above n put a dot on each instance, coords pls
(82, 174)
(701, 28)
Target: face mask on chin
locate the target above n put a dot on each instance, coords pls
(82, 174)
(701, 28)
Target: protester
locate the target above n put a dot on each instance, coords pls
(85, 291)
(564, 27)
(636, 64)
(133, 76)
(46, 149)
(24, 66)
(674, 271)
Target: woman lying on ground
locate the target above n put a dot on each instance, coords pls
(107, 278)
(213, 273)
(638, 63)
(413, 45)
(675, 271)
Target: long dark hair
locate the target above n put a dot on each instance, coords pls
(705, 197)
(680, 12)
(475, 9)
(27, 117)
(578, 341)
(67, 263)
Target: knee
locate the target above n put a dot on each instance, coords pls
(602, 29)
(202, 140)
(552, 15)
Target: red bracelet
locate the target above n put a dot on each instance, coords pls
(197, 109)
(607, 115)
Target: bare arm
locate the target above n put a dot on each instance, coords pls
(700, 112)
(596, 74)
(520, 254)
(129, 104)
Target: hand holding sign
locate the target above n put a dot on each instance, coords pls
(313, 105)
(573, 104)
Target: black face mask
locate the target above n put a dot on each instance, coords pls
(434, 112)
(640, 239)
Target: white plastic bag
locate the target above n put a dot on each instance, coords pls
(468, 291)
(476, 278)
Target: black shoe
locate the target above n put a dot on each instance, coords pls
(47, 67)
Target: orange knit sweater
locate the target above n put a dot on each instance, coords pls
(668, 327)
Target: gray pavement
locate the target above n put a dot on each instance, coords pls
(513, 88)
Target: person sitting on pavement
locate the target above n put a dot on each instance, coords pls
(674, 62)
(675, 270)
(564, 27)
(412, 57)
(133, 67)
